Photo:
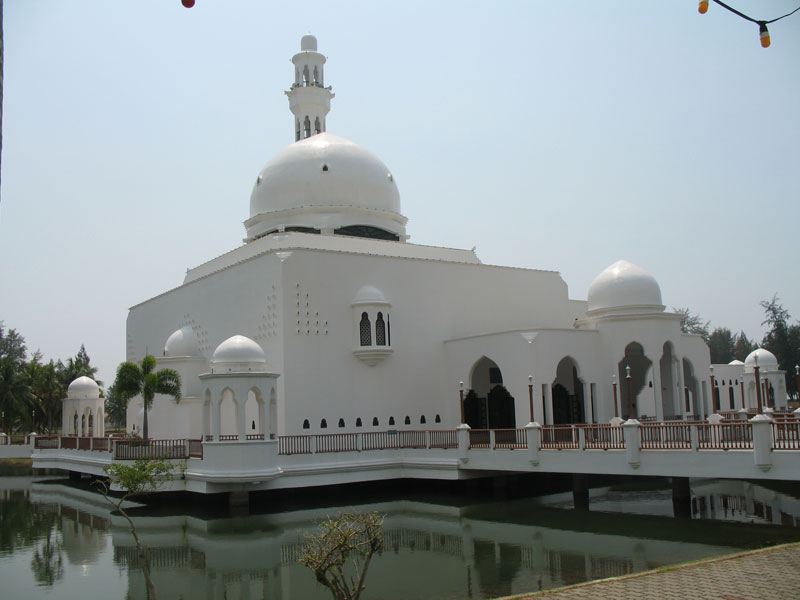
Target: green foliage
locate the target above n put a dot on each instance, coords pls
(743, 346)
(32, 389)
(340, 553)
(140, 476)
(115, 407)
(692, 323)
(782, 339)
(134, 380)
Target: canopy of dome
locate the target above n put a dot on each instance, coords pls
(737, 363)
(624, 285)
(766, 360)
(369, 294)
(83, 388)
(238, 353)
(182, 343)
(325, 181)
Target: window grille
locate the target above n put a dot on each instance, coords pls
(366, 330)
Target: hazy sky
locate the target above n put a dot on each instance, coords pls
(551, 135)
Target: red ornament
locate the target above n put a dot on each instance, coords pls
(188, 3)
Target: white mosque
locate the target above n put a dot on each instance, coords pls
(328, 320)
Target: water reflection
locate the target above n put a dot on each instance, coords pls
(432, 550)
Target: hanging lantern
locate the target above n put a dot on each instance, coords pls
(702, 8)
(187, 3)
(763, 33)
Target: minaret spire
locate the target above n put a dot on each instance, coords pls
(309, 99)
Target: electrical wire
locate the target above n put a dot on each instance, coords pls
(751, 19)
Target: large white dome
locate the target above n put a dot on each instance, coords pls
(766, 360)
(238, 354)
(182, 342)
(83, 388)
(324, 181)
(627, 286)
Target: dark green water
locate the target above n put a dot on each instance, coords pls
(58, 541)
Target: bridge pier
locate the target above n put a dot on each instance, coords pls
(580, 491)
(681, 497)
(239, 502)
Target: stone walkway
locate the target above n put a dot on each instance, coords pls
(770, 573)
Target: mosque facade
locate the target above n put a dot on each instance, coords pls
(328, 320)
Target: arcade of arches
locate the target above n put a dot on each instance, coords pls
(489, 405)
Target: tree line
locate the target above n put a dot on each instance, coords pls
(31, 390)
(782, 339)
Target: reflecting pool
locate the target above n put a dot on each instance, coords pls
(61, 541)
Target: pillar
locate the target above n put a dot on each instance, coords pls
(681, 497)
(633, 443)
(533, 433)
(580, 491)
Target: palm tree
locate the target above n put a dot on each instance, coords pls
(133, 380)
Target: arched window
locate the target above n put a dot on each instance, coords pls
(317, 126)
(305, 74)
(374, 421)
(422, 420)
(358, 422)
(253, 425)
(297, 130)
(380, 330)
(391, 420)
(366, 330)
(75, 424)
(323, 424)
(316, 75)
(306, 127)
(408, 420)
(341, 422)
(730, 397)
(388, 330)
(438, 419)
(306, 424)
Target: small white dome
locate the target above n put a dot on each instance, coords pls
(325, 181)
(308, 43)
(736, 363)
(83, 388)
(237, 354)
(766, 360)
(182, 342)
(624, 285)
(369, 295)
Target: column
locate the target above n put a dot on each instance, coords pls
(240, 400)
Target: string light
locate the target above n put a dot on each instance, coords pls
(763, 32)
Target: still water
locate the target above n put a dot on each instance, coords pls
(59, 541)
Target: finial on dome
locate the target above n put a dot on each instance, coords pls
(308, 43)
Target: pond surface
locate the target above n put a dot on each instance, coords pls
(60, 541)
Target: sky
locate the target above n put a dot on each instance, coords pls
(550, 135)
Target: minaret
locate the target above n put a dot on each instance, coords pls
(309, 99)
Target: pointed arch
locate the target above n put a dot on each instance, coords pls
(488, 404)
(639, 364)
(567, 391)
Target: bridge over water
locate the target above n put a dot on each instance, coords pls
(758, 448)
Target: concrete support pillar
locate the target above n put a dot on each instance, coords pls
(681, 497)
(633, 444)
(548, 403)
(240, 401)
(216, 416)
(462, 432)
(658, 391)
(533, 433)
(239, 499)
(580, 491)
(762, 441)
(587, 403)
